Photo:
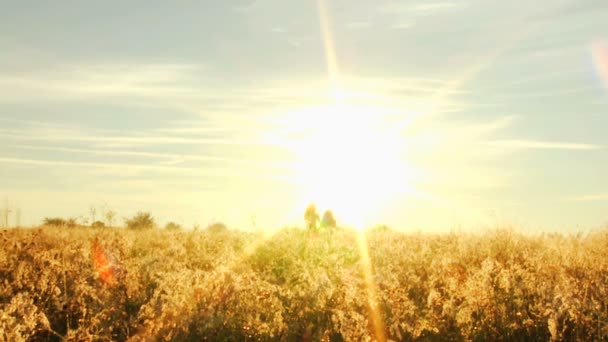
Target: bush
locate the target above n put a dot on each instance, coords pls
(328, 220)
(98, 224)
(71, 223)
(173, 226)
(311, 217)
(60, 222)
(142, 220)
(54, 221)
(217, 227)
(381, 228)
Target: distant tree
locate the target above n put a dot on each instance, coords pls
(54, 221)
(60, 222)
(311, 217)
(328, 220)
(6, 211)
(141, 220)
(173, 226)
(253, 221)
(110, 215)
(381, 228)
(93, 213)
(84, 221)
(98, 224)
(18, 217)
(216, 227)
(71, 222)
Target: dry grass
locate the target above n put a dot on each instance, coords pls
(180, 285)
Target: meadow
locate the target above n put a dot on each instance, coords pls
(116, 284)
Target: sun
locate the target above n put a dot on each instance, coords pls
(349, 160)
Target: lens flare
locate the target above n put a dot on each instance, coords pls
(377, 321)
(330, 52)
(107, 270)
(317, 148)
(599, 51)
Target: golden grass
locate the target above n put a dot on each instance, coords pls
(182, 285)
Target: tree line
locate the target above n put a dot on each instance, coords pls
(144, 220)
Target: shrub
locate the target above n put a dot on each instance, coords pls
(110, 215)
(328, 220)
(98, 224)
(54, 221)
(173, 226)
(60, 222)
(217, 227)
(311, 217)
(141, 220)
(381, 228)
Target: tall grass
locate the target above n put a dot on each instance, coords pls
(213, 285)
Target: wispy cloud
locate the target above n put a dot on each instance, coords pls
(589, 198)
(197, 130)
(128, 168)
(294, 42)
(113, 166)
(32, 123)
(357, 25)
(164, 157)
(190, 89)
(403, 25)
(437, 6)
(134, 140)
(472, 132)
(245, 5)
(546, 94)
(186, 88)
(538, 77)
(420, 9)
(278, 29)
(100, 80)
(537, 144)
(569, 9)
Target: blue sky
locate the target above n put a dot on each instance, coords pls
(191, 111)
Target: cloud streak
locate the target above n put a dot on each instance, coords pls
(538, 144)
(418, 9)
(357, 25)
(589, 198)
(124, 168)
(162, 156)
(135, 140)
(192, 89)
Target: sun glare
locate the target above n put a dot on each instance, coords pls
(349, 160)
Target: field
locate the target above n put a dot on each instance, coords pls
(80, 284)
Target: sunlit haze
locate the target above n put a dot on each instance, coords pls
(429, 116)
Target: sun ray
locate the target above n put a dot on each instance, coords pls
(438, 98)
(436, 102)
(330, 52)
(375, 316)
(366, 265)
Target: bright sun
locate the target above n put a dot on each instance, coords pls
(350, 160)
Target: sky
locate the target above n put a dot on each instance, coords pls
(421, 115)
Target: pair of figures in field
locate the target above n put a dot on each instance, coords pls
(313, 223)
